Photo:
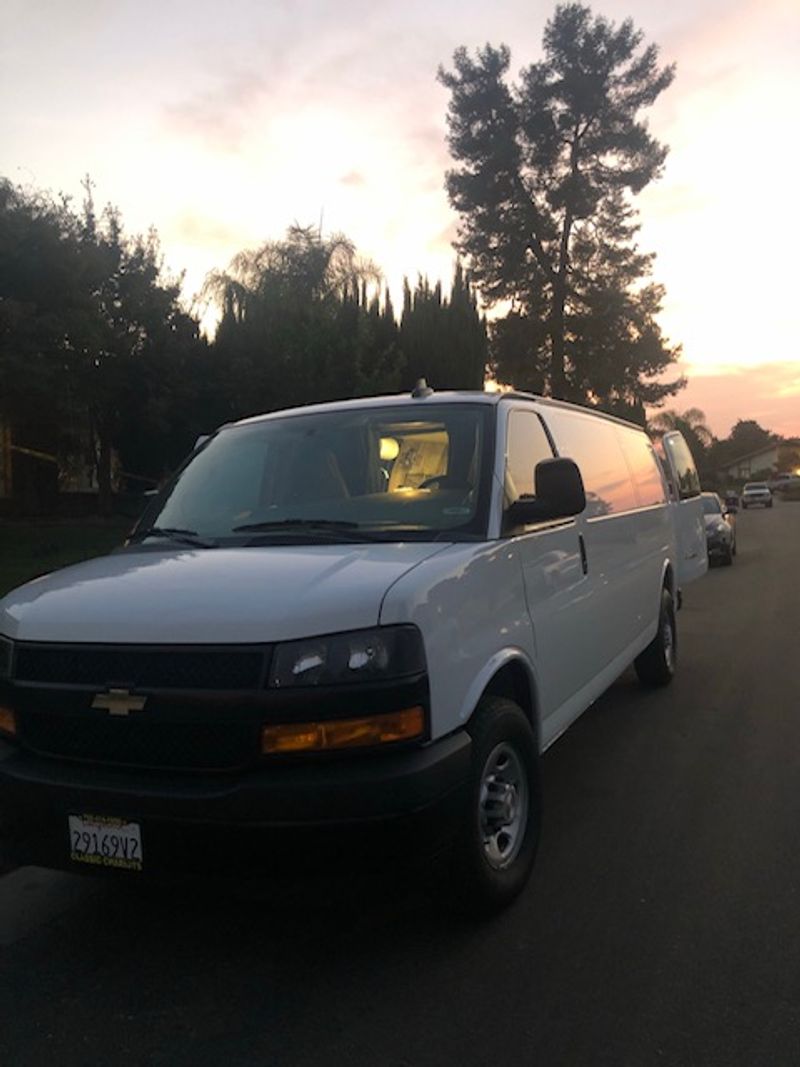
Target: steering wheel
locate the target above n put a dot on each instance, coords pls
(444, 481)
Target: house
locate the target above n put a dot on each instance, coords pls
(21, 465)
(779, 456)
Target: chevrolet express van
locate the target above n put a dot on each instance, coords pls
(342, 625)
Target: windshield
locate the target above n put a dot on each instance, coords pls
(755, 487)
(354, 474)
(711, 506)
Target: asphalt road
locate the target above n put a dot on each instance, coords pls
(662, 924)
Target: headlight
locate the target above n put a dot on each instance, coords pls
(340, 659)
(5, 657)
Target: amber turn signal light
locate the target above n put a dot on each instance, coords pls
(8, 721)
(343, 733)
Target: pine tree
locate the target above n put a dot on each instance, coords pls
(544, 174)
(443, 339)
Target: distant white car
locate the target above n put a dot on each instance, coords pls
(783, 481)
(756, 493)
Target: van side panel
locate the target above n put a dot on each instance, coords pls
(627, 544)
(469, 603)
(559, 604)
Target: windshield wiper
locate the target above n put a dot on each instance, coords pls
(172, 533)
(348, 531)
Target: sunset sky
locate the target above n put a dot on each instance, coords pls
(221, 124)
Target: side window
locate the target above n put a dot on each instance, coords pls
(592, 443)
(678, 452)
(527, 444)
(644, 467)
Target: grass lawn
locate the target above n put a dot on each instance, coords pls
(28, 549)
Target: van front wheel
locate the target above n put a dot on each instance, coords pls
(656, 665)
(498, 831)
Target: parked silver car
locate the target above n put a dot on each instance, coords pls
(720, 529)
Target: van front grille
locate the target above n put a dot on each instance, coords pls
(134, 667)
(141, 741)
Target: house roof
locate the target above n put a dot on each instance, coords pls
(765, 450)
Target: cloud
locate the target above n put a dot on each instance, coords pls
(766, 392)
(667, 201)
(446, 237)
(196, 230)
(219, 117)
(353, 177)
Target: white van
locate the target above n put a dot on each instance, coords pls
(341, 625)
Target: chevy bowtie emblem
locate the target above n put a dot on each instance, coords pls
(118, 702)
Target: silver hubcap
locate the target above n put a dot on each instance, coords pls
(668, 639)
(503, 805)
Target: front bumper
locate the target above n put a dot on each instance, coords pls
(273, 819)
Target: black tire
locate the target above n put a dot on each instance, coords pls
(769, 505)
(727, 559)
(656, 665)
(480, 879)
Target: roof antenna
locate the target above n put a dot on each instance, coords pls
(421, 389)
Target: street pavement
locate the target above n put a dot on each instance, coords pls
(661, 926)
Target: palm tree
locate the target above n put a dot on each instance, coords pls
(691, 423)
(304, 268)
(301, 320)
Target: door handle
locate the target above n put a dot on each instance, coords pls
(584, 561)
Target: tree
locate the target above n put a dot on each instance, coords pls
(129, 346)
(443, 339)
(745, 438)
(545, 173)
(96, 353)
(39, 297)
(748, 436)
(691, 423)
(299, 324)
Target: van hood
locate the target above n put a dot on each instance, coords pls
(211, 596)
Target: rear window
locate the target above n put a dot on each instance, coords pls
(711, 506)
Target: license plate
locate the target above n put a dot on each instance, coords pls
(103, 841)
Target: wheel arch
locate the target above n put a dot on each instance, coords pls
(508, 674)
(668, 580)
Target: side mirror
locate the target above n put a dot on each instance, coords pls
(559, 494)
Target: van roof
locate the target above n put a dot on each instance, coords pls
(462, 396)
